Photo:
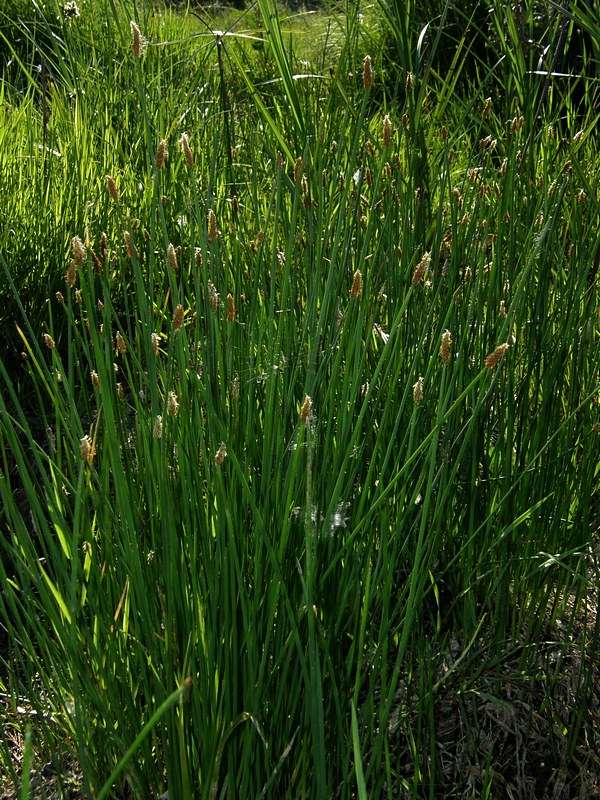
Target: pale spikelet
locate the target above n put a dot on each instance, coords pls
(49, 341)
(298, 170)
(367, 74)
(487, 107)
(78, 250)
(213, 297)
(221, 455)
(235, 389)
(213, 231)
(502, 310)
(421, 269)
(188, 153)
(158, 427)
(409, 82)
(60, 297)
(78, 300)
(178, 317)
(155, 338)
(198, 257)
(86, 449)
(139, 43)
(120, 391)
(445, 348)
(172, 257)
(172, 405)
(121, 344)
(357, 284)
(230, 308)
(578, 137)
(103, 246)
(100, 306)
(496, 357)
(418, 391)
(112, 188)
(95, 379)
(306, 409)
(161, 154)
(581, 197)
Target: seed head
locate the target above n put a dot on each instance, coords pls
(120, 391)
(172, 405)
(306, 409)
(158, 427)
(357, 284)
(50, 343)
(421, 269)
(188, 153)
(213, 297)
(112, 188)
(221, 454)
(418, 391)
(367, 74)
(298, 170)
(178, 317)
(59, 297)
(496, 357)
(95, 379)
(213, 231)
(103, 246)
(86, 449)
(155, 343)
(78, 250)
(161, 154)
(172, 257)
(445, 349)
(121, 343)
(139, 43)
(230, 308)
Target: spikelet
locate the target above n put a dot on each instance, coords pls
(49, 341)
(158, 427)
(161, 154)
(86, 449)
(418, 391)
(95, 379)
(60, 297)
(496, 357)
(178, 317)
(445, 348)
(112, 188)
(172, 257)
(155, 338)
(367, 73)
(230, 308)
(213, 297)
(387, 130)
(421, 268)
(213, 231)
(306, 409)
(78, 250)
(172, 405)
(357, 284)
(139, 43)
(121, 343)
(188, 153)
(221, 455)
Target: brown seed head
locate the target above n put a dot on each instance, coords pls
(221, 454)
(298, 170)
(418, 391)
(78, 250)
(139, 43)
(158, 427)
(50, 343)
(445, 348)
(112, 188)
(213, 231)
(178, 317)
(161, 154)
(357, 284)
(230, 308)
(422, 267)
(155, 338)
(213, 297)
(496, 357)
(59, 297)
(103, 246)
(306, 409)
(86, 449)
(188, 153)
(172, 257)
(95, 379)
(121, 343)
(367, 73)
(172, 405)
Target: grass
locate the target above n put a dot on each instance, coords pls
(299, 420)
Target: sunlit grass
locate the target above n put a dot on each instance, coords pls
(299, 425)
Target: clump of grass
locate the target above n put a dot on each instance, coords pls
(307, 440)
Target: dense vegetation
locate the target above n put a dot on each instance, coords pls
(300, 400)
